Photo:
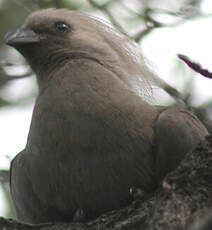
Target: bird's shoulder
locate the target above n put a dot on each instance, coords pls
(179, 119)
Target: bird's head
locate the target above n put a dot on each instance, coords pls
(53, 37)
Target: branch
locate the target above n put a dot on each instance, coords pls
(195, 66)
(150, 22)
(178, 96)
(4, 176)
(140, 35)
(5, 77)
(105, 10)
(155, 24)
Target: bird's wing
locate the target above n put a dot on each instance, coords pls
(177, 132)
(22, 190)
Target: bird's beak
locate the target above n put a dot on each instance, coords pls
(21, 36)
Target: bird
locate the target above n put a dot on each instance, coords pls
(93, 134)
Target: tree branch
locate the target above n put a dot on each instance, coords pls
(195, 66)
(105, 10)
(4, 176)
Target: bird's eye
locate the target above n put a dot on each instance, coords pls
(62, 27)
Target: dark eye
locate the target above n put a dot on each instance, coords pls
(62, 27)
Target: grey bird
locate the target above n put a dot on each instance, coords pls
(92, 136)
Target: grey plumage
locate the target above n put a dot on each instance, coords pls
(92, 137)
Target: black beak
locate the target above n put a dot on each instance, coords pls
(21, 36)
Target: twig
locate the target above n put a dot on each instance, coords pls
(7, 63)
(140, 35)
(148, 20)
(195, 66)
(6, 77)
(14, 77)
(179, 97)
(22, 5)
(105, 10)
(4, 176)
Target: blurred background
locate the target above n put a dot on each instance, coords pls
(162, 28)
